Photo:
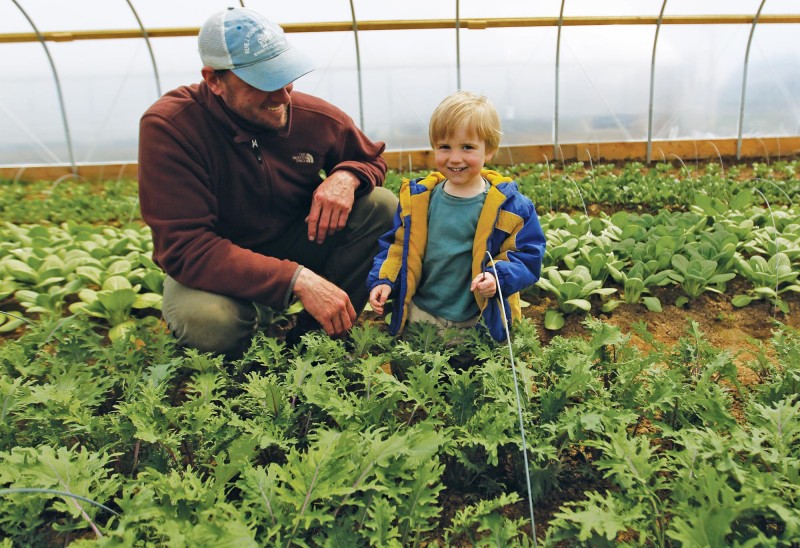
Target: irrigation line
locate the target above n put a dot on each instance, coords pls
(681, 161)
(777, 275)
(580, 194)
(519, 400)
(721, 166)
(56, 492)
(18, 317)
(766, 150)
(791, 202)
(550, 181)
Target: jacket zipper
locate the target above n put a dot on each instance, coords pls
(254, 146)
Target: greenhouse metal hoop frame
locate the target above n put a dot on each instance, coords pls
(421, 24)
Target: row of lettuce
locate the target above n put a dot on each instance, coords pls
(553, 188)
(624, 257)
(636, 187)
(591, 261)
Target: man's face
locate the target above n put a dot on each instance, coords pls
(266, 109)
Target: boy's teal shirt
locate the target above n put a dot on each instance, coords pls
(508, 228)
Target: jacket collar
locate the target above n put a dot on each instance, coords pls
(495, 180)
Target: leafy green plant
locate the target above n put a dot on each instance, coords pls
(696, 276)
(770, 278)
(50, 301)
(572, 290)
(63, 471)
(114, 302)
(482, 524)
(636, 285)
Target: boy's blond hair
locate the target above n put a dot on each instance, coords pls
(476, 112)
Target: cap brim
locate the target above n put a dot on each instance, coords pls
(276, 73)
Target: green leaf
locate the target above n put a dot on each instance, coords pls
(604, 516)
(21, 271)
(119, 300)
(295, 308)
(120, 267)
(742, 199)
(741, 300)
(611, 305)
(582, 304)
(121, 330)
(652, 304)
(9, 324)
(148, 300)
(113, 283)
(553, 320)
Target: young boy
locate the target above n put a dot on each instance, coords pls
(434, 259)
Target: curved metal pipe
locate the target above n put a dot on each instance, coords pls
(652, 85)
(556, 147)
(744, 80)
(458, 44)
(58, 87)
(358, 66)
(149, 47)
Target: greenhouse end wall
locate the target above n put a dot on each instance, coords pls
(562, 74)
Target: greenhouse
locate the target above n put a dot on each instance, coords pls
(582, 218)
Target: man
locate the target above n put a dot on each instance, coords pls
(257, 194)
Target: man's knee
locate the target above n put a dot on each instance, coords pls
(210, 323)
(376, 210)
(386, 205)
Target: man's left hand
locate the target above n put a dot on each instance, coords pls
(331, 205)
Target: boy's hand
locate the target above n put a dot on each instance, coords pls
(485, 284)
(378, 297)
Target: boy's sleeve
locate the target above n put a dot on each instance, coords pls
(519, 263)
(388, 261)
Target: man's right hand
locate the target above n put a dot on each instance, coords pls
(326, 302)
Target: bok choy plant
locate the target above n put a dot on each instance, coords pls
(770, 279)
(572, 289)
(114, 302)
(696, 276)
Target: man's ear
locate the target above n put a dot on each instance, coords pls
(488, 157)
(212, 79)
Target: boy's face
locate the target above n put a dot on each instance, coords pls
(460, 158)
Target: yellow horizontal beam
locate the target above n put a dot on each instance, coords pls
(416, 24)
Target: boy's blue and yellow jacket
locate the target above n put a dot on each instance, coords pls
(508, 228)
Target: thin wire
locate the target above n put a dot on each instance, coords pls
(519, 400)
(56, 492)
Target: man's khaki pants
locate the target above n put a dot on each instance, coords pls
(215, 323)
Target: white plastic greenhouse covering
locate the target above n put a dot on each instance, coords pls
(559, 71)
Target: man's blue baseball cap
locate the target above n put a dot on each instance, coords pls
(254, 48)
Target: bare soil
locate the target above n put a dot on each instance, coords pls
(735, 330)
